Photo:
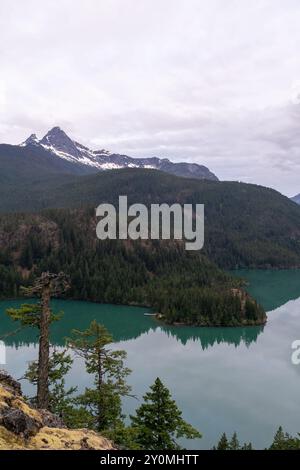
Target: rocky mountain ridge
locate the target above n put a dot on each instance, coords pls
(60, 145)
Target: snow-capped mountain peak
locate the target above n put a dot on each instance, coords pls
(32, 139)
(57, 140)
(59, 144)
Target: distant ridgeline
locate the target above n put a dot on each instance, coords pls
(245, 226)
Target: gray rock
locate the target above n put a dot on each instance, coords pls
(50, 420)
(9, 383)
(18, 422)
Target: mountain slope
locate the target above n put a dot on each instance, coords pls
(60, 145)
(182, 286)
(246, 225)
(19, 165)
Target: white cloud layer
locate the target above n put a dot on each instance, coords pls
(211, 81)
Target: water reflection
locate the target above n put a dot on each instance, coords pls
(125, 324)
(208, 337)
(224, 379)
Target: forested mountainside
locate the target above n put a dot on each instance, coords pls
(183, 286)
(245, 225)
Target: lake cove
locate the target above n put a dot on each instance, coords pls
(112, 460)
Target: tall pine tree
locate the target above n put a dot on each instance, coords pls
(158, 422)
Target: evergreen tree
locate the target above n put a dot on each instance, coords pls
(125, 437)
(158, 422)
(103, 402)
(60, 398)
(223, 443)
(284, 441)
(247, 446)
(279, 439)
(234, 443)
(40, 316)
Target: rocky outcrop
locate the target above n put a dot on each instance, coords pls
(22, 427)
(9, 383)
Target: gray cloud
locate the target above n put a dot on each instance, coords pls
(208, 81)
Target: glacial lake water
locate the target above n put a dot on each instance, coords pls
(223, 379)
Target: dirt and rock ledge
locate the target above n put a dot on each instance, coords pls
(22, 427)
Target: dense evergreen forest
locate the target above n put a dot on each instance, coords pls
(183, 286)
(245, 225)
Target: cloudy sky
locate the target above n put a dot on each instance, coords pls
(211, 81)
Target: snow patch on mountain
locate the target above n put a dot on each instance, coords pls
(59, 144)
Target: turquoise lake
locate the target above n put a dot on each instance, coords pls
(223, 379)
